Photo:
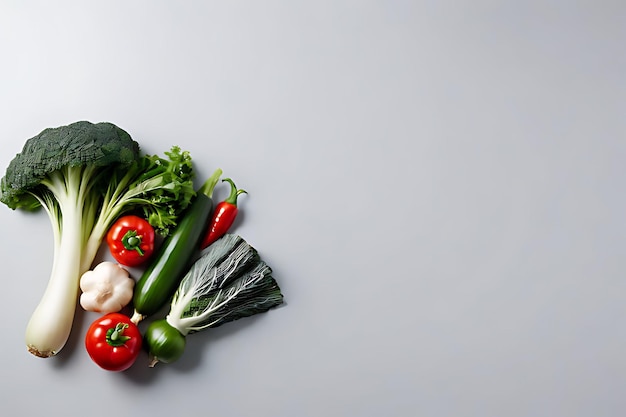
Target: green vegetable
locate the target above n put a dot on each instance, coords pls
(175, 255)
(85, 175)
(228, 282)
(168, 342)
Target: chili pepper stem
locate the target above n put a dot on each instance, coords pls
(234, 192)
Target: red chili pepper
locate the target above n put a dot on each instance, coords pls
(223, 216)
(131, 240)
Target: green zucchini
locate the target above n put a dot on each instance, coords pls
(175, 255)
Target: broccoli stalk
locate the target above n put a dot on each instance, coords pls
(84, 176)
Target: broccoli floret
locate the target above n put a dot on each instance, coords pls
(79, 144)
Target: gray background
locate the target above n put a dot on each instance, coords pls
(439, 187)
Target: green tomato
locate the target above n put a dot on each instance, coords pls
(165, 343)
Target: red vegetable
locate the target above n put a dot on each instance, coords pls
(131, 240)
(113, 342)
(223, 216)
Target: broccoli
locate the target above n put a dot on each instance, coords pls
(85, 175)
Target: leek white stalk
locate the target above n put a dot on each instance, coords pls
(51, 323)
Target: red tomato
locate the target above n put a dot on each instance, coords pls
(113, 342)
(131, 240)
